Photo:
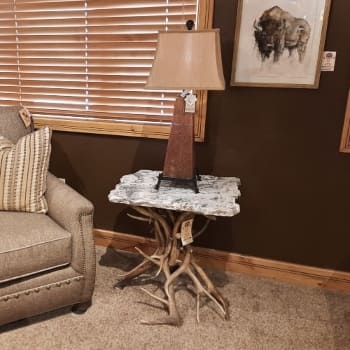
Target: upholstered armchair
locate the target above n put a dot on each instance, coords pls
(47, 261)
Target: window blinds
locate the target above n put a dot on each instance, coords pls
(86, 59)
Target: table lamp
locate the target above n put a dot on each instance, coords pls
(187, 60)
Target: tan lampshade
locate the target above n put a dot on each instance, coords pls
(187, 60)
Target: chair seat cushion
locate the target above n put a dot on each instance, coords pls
(31, 243)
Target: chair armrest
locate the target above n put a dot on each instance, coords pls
(74, 213)
(65, 205)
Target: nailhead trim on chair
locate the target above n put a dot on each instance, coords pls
(38, 289)
(89, 216)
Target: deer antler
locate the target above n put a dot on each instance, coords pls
(171, 255)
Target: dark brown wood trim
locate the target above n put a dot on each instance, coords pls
(345, 138)
(282, 271)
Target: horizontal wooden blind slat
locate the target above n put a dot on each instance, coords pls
(8, 69)
(62, 26)
(151, 28)
(26, 39)
(112, 4)
(76, 96)
(98, 114)
(4, 95)
(8, 23)
(164, 106)
(48, 6)
(93, 54)
(112, 85)
(8, 61)
(118, 45)
(163, 9)
(8, 81)
(79, 38)
(77, 90)
(107, 113)
(10, 88)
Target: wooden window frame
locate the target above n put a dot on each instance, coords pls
(115, 127)
(345, 139)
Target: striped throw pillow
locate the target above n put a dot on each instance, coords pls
(23, 172)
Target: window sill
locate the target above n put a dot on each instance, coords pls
(114, 127)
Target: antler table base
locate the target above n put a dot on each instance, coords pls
(173, 260)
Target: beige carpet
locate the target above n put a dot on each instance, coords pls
(264, 315)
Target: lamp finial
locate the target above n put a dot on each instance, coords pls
(189, 24)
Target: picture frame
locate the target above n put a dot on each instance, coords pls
(345, 138)
(279, 43)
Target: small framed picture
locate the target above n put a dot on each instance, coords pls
(279, 43)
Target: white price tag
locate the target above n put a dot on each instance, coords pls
(186, 232)
(328, 61)
(26, 117)
(190, 106)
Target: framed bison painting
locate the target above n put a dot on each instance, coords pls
(279, 43)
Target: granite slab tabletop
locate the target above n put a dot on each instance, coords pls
(217, 195)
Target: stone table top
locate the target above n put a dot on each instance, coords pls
(217, 195)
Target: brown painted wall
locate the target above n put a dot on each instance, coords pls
(282, 143)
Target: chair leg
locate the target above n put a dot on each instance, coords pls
(81, 308)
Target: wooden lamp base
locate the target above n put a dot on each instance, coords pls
(179, 158)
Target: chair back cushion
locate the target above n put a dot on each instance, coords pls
(11, 124)
(23, 172)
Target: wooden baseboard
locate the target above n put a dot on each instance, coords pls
(282, 271)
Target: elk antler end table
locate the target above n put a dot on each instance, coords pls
(172, 209)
